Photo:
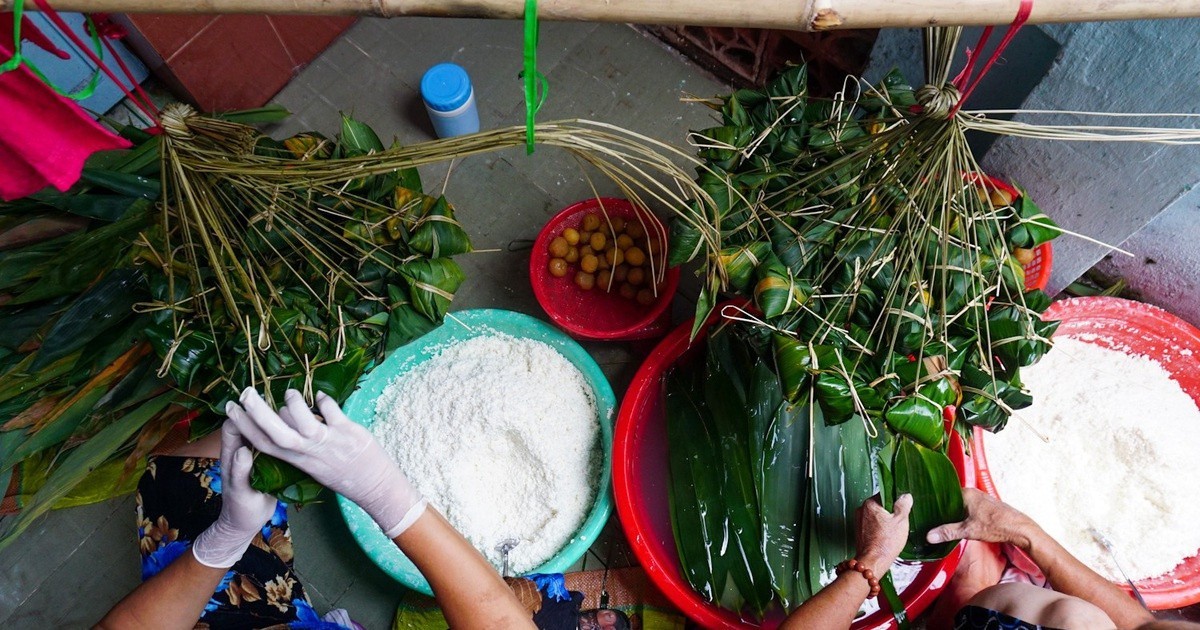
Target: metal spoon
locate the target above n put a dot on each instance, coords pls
(1107, 544)
(504, 547)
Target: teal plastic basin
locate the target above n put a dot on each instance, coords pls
(460, 326)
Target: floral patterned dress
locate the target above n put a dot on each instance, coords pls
(179, 497)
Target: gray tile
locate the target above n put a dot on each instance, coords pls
(101, 567)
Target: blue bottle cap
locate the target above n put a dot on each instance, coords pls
(445, 87)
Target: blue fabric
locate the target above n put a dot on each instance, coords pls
(308, 619)
(551, 584)
(157, 560)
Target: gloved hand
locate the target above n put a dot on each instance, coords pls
(244, 510)
(339, 454)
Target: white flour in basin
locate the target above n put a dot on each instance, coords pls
(1122, 455)
(501, 434)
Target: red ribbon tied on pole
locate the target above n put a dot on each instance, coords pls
(963, 81)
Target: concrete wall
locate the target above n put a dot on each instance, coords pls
(1106, 190)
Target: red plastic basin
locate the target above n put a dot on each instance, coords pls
(597, 314)
(640, 478)
(1117, 324)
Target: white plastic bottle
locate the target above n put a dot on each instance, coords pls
(450, 100)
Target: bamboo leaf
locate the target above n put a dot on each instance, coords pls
(19, 324)
(431, 285)
(842, 481)
(258, 115)
(283, 480)
(930, 478)
(725, 389)
(358, 138)
(784, 484)
(437, 233)
(697, 513)
(101, 307)
(917, 418)
(123, 183)
(103, 207)
(79, 463)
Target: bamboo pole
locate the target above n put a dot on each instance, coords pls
(810, 15)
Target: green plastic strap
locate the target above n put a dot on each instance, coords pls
(536, 85)
(17, 59)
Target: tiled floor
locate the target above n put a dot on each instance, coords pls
(72, 566)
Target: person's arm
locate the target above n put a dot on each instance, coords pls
(881, 536)
(175, 597)
(344, 457)
(469, 590)
(172, 599)
(991, 520)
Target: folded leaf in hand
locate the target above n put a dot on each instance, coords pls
(283, 481)
(842, 480)
(929, 476)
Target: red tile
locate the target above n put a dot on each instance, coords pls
(237, 63)
(167, 33)
(306, 36)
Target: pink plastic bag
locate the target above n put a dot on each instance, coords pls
(44, 137)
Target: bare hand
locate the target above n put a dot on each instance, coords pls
(988, 520)
(881, 535)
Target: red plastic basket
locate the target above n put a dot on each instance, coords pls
(1037, 272)
(597, 314)
(640, 474)
(1119, 324)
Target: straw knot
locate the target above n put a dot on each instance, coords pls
(174, 120)
(938, 102)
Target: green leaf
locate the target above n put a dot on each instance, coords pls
(283, 481)
(917, 418)
(1032, 226)
(19, 324)
(929, 476)
(101, 307)
(405, 323)
(698, 514)
(339, 379)
(358, 138)
(266, 114)
(782, 490)
(88, 257)
(80, 462)
(431, 285)
(887, 586)
(842, 481)
(437, 233)
(103, 207)
(123, 183)
(725, 391)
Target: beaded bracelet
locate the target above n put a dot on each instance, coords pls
(854, 565)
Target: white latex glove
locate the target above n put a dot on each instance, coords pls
(244, 510)
(339, 454)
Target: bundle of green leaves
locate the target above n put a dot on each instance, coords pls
(117, 325)
(882, 271)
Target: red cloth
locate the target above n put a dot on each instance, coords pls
(44, 137)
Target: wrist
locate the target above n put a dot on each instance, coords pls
(878, 563)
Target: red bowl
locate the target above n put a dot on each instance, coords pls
(640, 476)
(1120, 324)
(597, 314)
